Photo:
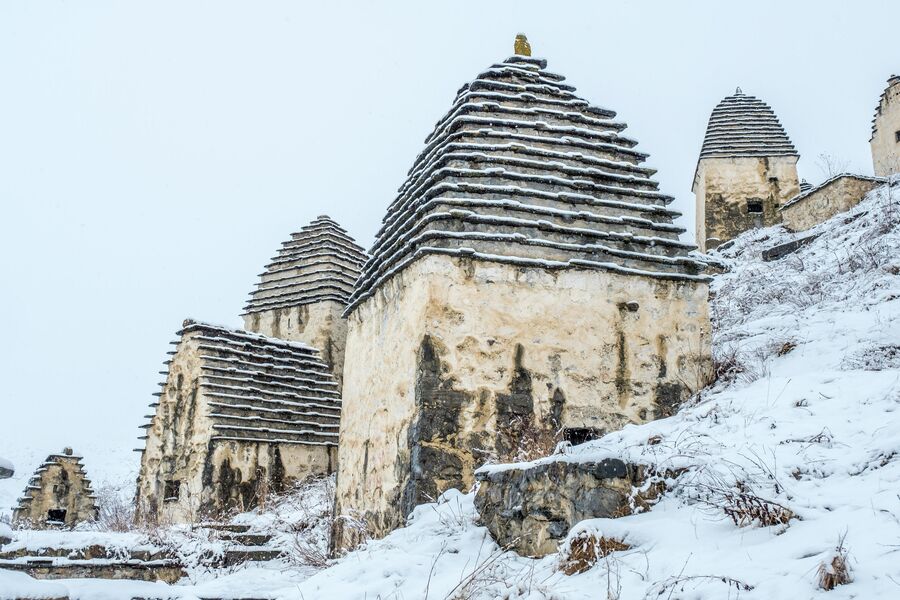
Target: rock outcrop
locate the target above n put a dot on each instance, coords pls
(531, 509)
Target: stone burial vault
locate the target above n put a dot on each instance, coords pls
(239, 415)
(747, 170)
(58, 495)
(305, 288)
(528, 274)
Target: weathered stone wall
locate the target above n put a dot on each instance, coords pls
(58, 485)
(177, 442)
(839, 196)
(466, 347)
(319, 325)
(723, 187)
(212, 475)
(531, 510)
(885, 140)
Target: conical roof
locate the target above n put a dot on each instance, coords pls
(523, 171)
(320, 262)
(742, 125)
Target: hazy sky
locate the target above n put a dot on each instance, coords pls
(153, 155)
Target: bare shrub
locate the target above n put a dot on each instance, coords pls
(583, 552)
(743, 506)
(532, 439)
(116, 512)
(732, 365)
(682, 583)
(836, 571)
(305, 518)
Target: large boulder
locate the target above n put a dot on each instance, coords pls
(531, 509)
(6, 468)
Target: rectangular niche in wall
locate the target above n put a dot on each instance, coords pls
(172, 490)
(56, 515)
(754, 206)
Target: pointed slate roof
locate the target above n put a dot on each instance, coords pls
(320, 262)
(523, 171)
(742, 125)
(892, 81)
(34, 484)
(258, 388)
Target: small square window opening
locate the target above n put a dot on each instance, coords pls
(754, 206)
(172, 490)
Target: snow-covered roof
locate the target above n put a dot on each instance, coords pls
(809, 190)
(742, 125)
(320, 262)
(892, 81)
(522, 170)
(6, 468)
(262, 389)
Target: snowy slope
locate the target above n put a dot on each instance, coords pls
(803, 425)
(810, 422)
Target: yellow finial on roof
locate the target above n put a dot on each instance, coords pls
(522, 47)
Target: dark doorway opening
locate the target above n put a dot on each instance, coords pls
(172, 490)
(56, 516)
(754, 206)
(580, 435)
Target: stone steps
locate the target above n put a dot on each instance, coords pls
(243, 545)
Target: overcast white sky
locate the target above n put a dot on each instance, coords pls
(153, 155)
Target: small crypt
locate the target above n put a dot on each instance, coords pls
(305, 288)
(527, 276)
(58, 495)
(239, 415)
(746, 171)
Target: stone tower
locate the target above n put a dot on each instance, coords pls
(305, 288)
(527, 275)
(58, 495)
(885, 139)
(747, 170)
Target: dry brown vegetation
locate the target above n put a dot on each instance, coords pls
(836, 571)
(584, 551)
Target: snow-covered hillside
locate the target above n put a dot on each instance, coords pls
(803, 427)
(787, 467)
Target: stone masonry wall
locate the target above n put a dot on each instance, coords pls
(839, 196)
(59, 485)
(723, 187)
(210, 476)
(464, 348)
(885, 142)
(319, 325)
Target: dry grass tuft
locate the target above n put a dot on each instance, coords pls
(746, 508)
(785, 347)
(584, 551)
(837, 571)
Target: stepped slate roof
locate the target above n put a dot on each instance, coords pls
(521, 170)
(34, 484)
(892, 81)
(320, 262)
(261, 389)
(742, 125)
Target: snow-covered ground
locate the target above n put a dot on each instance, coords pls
(801, 430)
